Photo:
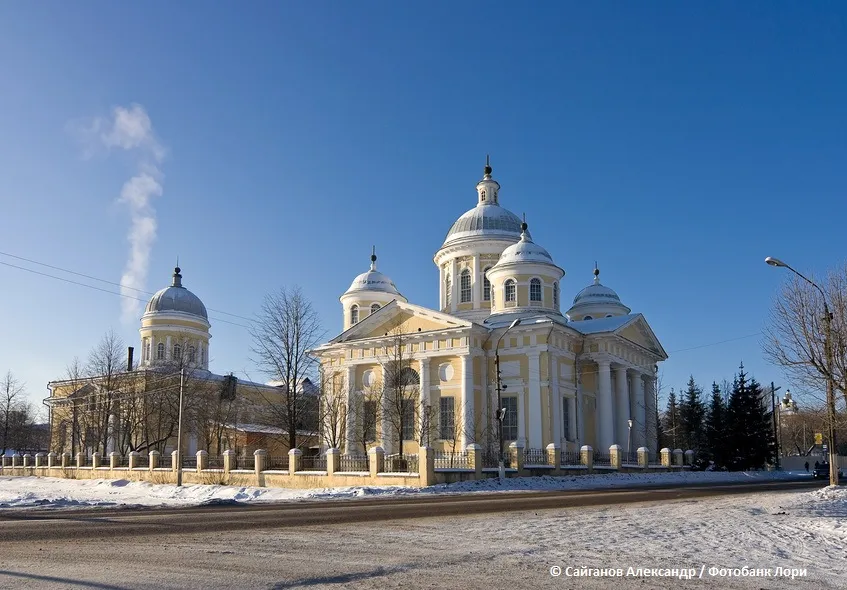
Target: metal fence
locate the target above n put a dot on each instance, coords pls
(452, 460)
(279, 463)
(244, 462)
(629, 458)
(353, 463)
(215, 462)
(491, 458)
(571, 458)
(312, 463)
(165, 462)
(401, 463)
(535, 457)
(602, 459)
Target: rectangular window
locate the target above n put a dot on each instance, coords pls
(465, 286)
(408, 408)
(369, 420)
(447, 415)
(566, 417)
(510, 421)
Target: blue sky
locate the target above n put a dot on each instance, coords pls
(676, 143)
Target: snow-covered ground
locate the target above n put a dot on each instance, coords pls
(48, 492)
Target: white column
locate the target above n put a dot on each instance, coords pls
(477, 283)
(385, 425)
(605, 413)
(350, 429)
(522, 416)
(650, 409)
(622, 387)
(423, 371)
(440, 288)
(579, 406)
(168, 349)
(535, 426)
(454, 284)
(152, 349)
(556, 405)
(467, 401)
(639, 428)
(571, 401)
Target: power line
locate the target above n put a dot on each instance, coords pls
(44, 274)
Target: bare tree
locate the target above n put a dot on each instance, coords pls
(401, 391)
(11, 407)
(333, 410)
(368, 413)
(794, 337)
(286, 330)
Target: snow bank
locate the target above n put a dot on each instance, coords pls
(48, 492)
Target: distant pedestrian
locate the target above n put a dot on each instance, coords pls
(807, 467)
(817, 465)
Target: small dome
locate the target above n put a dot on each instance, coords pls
(525, 251)
(177, 298)
(485, 221)
(597, 300)
(373, 280)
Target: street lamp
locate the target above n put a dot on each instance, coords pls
(501, 411)
(830, 384)
(629, 439)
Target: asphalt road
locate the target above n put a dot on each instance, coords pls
(24, 526)
(408, 543)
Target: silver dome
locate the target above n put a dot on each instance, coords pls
(485, 221)
(177, 298)
(596, 293)
(373, 280)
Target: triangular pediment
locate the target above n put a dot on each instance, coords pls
(638, 332)
(405, 318)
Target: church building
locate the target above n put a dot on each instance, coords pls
(583, 376)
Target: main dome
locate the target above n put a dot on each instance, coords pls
(487, 220)
(177, 298)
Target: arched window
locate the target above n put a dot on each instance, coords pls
(374, 308)
(588, 317)
(486, 286)
(191, 355)
(448, 290)
(482, 196)
(535, 290)
(146, 349)
(177, 352)
(465, 286)
(556, 295)
(160, 351)
(354, 315)
(608, 315)
(510, 290)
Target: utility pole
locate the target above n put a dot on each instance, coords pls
(775, 427)
(179, 430)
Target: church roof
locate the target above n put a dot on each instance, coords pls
(177, 298)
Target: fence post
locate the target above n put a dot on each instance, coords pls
(426, 465)
(376, 460)
(554, 456)
(677, 457)
(666, 457)
(516, 452)
(229, 460)
(66, 460)
(27, 460)
(474, 459)
(80, 459)
(39, 459)
(643, 457)
(3, 462)
(615, 456)
(202, 461)
(133, 460)
(689, 457)
(586, 455)
(332, 456)
(51, 459)
(260, 462)
(114, 459)
(174, 460)
(16, 460)
(154, 460)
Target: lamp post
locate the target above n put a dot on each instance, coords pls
(629, 439)
(830, 385)
(501, 411)
(774, 416)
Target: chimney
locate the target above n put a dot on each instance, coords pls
(129, 359)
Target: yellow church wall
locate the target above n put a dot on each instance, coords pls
(633, 334)
(589, 408)
(408, 324)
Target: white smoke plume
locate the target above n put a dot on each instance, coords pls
(130, 129)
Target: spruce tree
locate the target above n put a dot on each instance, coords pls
(715, 430)
(671, 423)
(748, 418)
(692, 411)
